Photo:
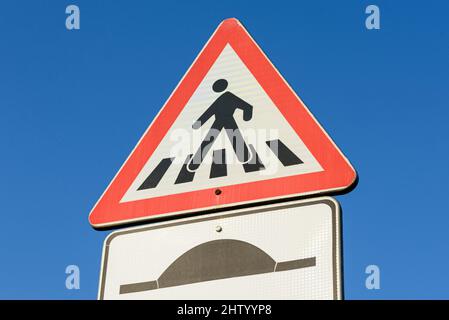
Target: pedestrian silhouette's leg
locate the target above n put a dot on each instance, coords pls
(206, 144)
(238, 143)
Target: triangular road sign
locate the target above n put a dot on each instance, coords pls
(233, 132)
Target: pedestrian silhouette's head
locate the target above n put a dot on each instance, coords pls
(220, 85)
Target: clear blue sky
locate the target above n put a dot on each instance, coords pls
(74, 103)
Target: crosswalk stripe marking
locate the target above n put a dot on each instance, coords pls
(185, 175)
(254, 164)
(284, 154)
(156, 175)
(219, 167)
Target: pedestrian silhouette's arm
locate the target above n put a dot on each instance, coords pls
(246, 107)
(203, 118)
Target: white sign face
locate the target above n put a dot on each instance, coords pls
(267, 125)
(280, 251)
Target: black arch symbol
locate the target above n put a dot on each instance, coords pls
(214, 260)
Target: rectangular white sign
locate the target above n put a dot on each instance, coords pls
(280, 251)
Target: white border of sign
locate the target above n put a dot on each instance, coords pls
(336, 230)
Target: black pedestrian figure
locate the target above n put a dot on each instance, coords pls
(223, 109)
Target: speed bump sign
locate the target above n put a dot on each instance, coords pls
(279, 251)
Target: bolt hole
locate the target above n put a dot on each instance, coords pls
(217, 192)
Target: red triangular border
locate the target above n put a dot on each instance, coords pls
(337, 174)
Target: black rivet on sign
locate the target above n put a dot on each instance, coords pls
(217, 192)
